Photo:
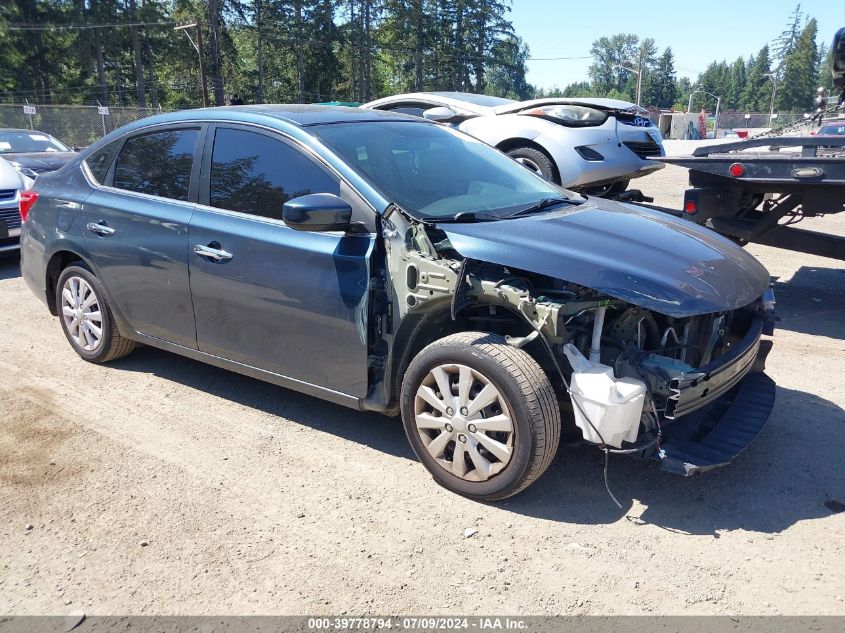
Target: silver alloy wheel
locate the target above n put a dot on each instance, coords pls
(530, 164)
(464, 422)
(81, 313)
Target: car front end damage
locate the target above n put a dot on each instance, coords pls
(707, 396)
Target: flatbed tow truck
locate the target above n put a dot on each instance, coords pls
(756, 190)
(752, 191)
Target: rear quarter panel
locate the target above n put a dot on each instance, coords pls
(54, 224)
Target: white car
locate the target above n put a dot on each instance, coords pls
(590, 144)
(11, 185)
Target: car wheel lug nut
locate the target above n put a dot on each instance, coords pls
(449, 427)
(464, 411)
(450, 411)
(462, 437)
(471, 428)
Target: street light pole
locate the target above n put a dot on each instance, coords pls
(198, 47)
(639, 81)
(716, 117)
(639, 75)
(774, 91)
(718, 104)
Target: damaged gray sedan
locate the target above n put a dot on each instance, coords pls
(389, 264)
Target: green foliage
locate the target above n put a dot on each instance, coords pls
(800, 71)
(799, 67)
(756, 95)
(660, 86)
(263, 50)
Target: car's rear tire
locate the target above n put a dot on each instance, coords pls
(86, 318)
(536, 161)
(498, 428)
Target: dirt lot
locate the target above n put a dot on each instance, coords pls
(161, 485)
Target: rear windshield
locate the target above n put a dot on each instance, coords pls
(432, 171)
(482, 100)
(26, 141)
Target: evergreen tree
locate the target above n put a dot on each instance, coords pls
(758, 86)
(736, 85)
(660, 86)
(797, 89)
(824, 78)
(786, 41)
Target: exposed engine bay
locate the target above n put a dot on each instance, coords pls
(684, 362)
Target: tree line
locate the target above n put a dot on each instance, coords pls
(127, 52)
(783, 76)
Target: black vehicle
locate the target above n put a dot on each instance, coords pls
(32, 152)
(744, 195)
(389, 264)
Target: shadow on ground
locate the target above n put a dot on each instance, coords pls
(791, 473)
(813, 301)
(10, 267)
(370, 429)
(786, 476)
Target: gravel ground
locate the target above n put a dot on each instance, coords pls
(158, 485)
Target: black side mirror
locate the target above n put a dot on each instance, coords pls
(317, 212)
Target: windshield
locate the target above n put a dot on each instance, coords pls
(834, 130)
(26, 141)
(432, 171)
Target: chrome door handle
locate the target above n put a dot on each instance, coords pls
(216, 254)
(100, 228)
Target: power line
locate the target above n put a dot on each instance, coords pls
(81, 27)
(554, 59)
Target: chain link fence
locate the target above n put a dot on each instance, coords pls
(732, 120)
(78, 126)
(82, 125)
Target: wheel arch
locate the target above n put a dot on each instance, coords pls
(58, 261)
(513, 143)
(417, 330)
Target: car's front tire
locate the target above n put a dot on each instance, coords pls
(480, 414)
(86, 318)
(536, 161)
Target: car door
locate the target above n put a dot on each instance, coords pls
(286, 301)
(136, 230)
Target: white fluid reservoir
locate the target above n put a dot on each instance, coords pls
(613, 405)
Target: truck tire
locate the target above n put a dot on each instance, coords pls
(86, 318)
(480, 414)
(536, 161)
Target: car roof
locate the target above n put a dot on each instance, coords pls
(299, 115)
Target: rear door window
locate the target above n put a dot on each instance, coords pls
(100, 161)
(158, 163)
(256, 174)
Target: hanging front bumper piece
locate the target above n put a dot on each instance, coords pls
(713, 435)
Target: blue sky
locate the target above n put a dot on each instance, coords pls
(698, 32)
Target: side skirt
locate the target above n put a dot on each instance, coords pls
(253, 372)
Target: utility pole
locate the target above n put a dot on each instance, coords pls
(198, 46)
(202, 66)
(774, 91)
